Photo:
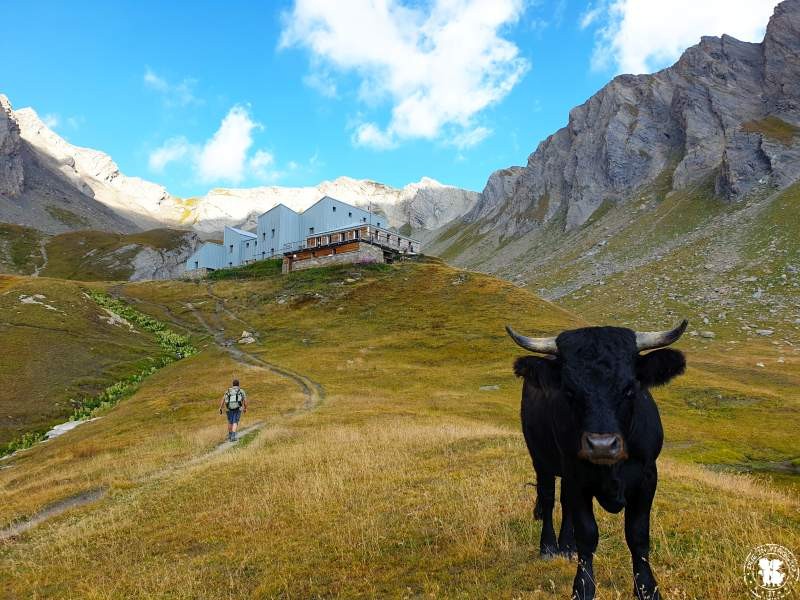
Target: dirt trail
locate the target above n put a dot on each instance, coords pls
(50, 511)
(314, 394)
(61, 506)
(41, 267)
(313, 391)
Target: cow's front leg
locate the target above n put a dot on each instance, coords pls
(566, 536)
(637, 535)
(586, 536)
(545, 500)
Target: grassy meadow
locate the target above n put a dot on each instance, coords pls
(405, 479)
(84, 255)
(58, 348)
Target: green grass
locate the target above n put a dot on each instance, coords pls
(774, 128)
(465, 237)
(261, 268)
(67, 217)
(103, 256)
(52, 356)
(19, 249)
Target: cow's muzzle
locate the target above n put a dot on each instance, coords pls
(602, 448)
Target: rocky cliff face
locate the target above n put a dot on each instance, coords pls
(44, 191)
(164, 263)
(97, 175)
(11, 174)
(726, 113)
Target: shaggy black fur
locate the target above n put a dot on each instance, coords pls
(598, 384)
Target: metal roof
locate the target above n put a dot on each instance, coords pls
(243, 232)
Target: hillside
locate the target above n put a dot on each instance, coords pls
(95, 255)
(58, 348)
(388, 457)
(700, 155)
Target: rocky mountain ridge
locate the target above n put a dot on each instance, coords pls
(727, 112)
(39, 190)
(424, 205)
(27, 144)
(725, 118)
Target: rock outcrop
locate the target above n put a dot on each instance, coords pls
(726, 113)
(11, 173)
(43, 191)
(161, 263)
(96, 174)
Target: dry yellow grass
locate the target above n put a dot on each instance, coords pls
(408, 481)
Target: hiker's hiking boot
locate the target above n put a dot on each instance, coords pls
(235, 437)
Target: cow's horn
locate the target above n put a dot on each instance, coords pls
(649, 340)
(541, 345)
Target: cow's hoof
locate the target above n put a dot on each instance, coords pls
(643, 594)
(568, 554)
(548, 552)
(567, 548)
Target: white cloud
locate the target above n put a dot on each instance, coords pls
(173, 150)
(75, 122)
(174, 94)
(370, 135)
(51, 120)
(640, 36)
(224, 157)
(439, 65)
(592, 14)
(261, 165)
(322, 82)
(470, 138)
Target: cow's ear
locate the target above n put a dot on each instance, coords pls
(542, 373)
(659, 367)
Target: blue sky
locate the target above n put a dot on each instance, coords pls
(238, 94)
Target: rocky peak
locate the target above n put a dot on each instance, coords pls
(11, 172)
(726, 112)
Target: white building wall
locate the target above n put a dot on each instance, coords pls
(290, 232)
(238, 247)
(277, 229)
(208, 256)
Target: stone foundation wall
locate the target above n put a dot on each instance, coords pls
(365, 253)
(195, 274)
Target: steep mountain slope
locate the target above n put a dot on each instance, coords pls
(42, 191)
(89, 255)
(424, 205)
(726, 116)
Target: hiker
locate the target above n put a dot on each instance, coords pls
(234, 401)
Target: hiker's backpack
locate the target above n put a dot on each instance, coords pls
(233, 398)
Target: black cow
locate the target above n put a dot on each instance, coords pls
(588, 417)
